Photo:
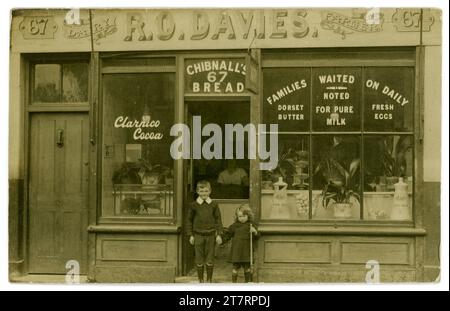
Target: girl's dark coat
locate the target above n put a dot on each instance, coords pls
(240, 245)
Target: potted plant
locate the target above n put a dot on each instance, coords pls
(292, 167)
(394, 159)
(128, 173)
(340, 188)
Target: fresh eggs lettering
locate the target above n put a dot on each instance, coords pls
(384, 111)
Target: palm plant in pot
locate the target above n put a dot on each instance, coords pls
(340, 189)
(394, 159)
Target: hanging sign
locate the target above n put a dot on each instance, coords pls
(215, 76)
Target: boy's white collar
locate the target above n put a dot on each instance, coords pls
(200, 200)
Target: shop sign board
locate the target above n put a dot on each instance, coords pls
(178, 29)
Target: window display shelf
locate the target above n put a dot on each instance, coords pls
(143, 200)
(377, 206)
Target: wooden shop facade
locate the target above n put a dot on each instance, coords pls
(355, 95)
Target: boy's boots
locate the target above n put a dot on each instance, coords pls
(209, 273)
(200, 270)
(248, 276)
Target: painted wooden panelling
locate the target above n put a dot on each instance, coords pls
(327, 275)
(143, 249)
(384, 253)
(296, 252)
(134, 274)
(134, 250)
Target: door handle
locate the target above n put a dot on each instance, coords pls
(60, 139)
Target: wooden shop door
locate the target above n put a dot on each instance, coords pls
(58, 192)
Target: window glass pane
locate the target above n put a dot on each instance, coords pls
(287, 98)
(47, 83)
(336, 99)
(137, 167)
(285, 190)
(336, 180)
(75, 83)
(386, 160)
(389, 99)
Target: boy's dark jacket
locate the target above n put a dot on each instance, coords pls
(204, 218)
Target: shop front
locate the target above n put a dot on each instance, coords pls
(323, 121)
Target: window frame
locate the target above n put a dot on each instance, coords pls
(409, 57)
(103, 70)
(58, 59)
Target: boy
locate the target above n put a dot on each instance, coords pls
(204, 228)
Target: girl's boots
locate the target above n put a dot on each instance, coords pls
(234, 277)
(248, 276)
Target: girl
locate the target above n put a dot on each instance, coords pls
(239, 232)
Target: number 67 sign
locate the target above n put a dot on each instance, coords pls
(38, 27)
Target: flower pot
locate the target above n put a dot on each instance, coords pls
(267, 184)
(342, 210)
(390, 182)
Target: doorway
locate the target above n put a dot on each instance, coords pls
(229, 192)
(58, 192)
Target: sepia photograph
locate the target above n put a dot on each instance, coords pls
(294, 145)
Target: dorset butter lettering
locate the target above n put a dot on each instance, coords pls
(286, 95)
(139, 134)
(287, 112)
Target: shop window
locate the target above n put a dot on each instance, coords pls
(137, 174)
(60, 83)
(351, 158)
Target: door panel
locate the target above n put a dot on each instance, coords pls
(58, 188)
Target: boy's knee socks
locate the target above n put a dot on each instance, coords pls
(200, 270)
(209, 273)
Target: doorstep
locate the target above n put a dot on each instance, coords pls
(45, 279)
(219, 279)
